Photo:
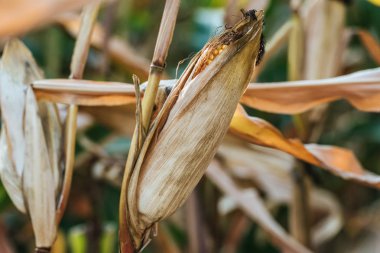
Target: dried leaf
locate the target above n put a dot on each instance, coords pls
(253, 206)
(38, 177)
(38, 143)
(264, 166)
(338, 161)
(16, 71)
(84, 92)
(332, 223)
(370, 43)
(361, 89)
(20, 16)
(267, 168)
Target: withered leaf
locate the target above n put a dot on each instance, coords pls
(31, 142)
(338, 161)
(371, 44)
(361, 89)
(253, 206)
(38, 177)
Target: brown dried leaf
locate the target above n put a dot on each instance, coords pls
(253, 206)
(370, 43)
(20, 16)
(267, 168)
(84, 92)
(38, 178)
(338, 161)
(361, 89)
(18, 68)
(38, 144)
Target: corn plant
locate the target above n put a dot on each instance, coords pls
(180, 130)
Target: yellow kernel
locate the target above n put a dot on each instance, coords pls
(224, 46)
(219, 47)
(220, 50)
(211, 57)
(215, 52)
(208, 62)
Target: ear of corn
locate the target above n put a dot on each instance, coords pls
(198, 113)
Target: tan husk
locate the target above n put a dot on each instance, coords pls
(38, 177)
(30, 145)
(198, 113)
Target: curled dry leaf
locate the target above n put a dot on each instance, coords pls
(19, 16)
(339, 161)
(12, 93)
(264, 166)
(271, 171)
(118, 49)
(253, 206)
(197, 112)
(37, 127)
(361, 89)
(38, 177)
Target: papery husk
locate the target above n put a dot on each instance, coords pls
(198, 113)
(32, 156)
(38, 177)
(12, 94)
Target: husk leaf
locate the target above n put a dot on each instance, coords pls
(198, 113)
(31, 142)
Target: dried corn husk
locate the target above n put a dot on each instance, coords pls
(198, 113)
(30, 143)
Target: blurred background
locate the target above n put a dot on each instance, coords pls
(90, 222)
